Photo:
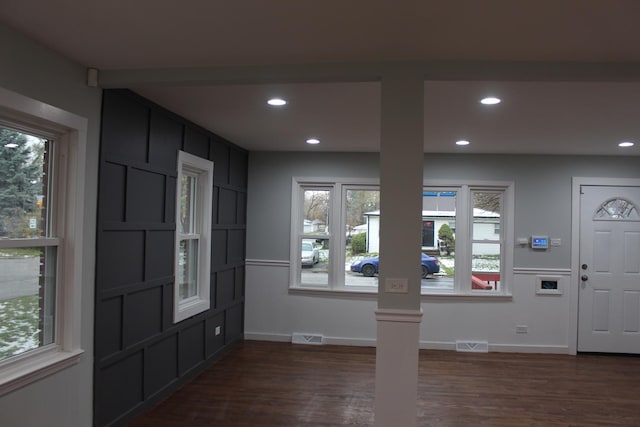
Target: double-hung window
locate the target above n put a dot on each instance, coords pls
(464, 230)
(465, 227)
(42, 158)
(313, 235)
(330, 229)
(193, 236)
(29, 242)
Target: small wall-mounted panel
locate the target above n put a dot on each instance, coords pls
(549, 285)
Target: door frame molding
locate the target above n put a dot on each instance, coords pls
(574, 288)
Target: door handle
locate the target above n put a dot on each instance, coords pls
(584, 277)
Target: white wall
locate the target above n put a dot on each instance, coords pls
(273, 313)
(65, 398)
(543, 206)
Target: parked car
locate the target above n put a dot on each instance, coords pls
(369, 266)
(310, 256)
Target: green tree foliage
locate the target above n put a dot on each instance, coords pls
(20, 181)
(447, 239)
(359, 243)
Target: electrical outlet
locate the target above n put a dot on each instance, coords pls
(399, 286)
(522, 329)
(218, 330)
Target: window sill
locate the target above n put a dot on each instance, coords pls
(468, 297)
(31, 368)
(308, 290)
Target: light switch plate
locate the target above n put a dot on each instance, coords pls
(399, 286)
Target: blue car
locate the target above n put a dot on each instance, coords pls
(369, 266)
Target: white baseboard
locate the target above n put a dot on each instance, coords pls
(356, 342)
(258, 336)
(424, 345)
(546, 349)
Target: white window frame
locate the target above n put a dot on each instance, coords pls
(202, 170)
(464, 237)
(335, 234)
(297, 230)
(70, 133)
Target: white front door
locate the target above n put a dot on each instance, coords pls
(609, 296)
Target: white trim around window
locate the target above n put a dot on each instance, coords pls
(70, 132)
(331, 275)
(194, 197)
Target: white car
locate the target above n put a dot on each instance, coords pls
(310, 255)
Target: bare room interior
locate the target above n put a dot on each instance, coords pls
(231, 200)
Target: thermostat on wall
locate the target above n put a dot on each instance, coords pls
(539, 242)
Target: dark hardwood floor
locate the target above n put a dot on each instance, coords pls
(279, 384)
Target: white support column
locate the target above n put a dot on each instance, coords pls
(399, 314)
(397, 367)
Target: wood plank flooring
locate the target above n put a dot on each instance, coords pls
(279, 384)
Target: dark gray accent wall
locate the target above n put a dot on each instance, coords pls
(140, 354)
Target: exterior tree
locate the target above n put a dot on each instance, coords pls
(487, 201)
(20, 182)
(360, 202)
(316, 205)
(447, 239)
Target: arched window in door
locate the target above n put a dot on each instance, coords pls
(617, 208)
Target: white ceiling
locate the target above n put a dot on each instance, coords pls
(587, 117)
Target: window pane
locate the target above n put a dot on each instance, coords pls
(187, 204)
(485, 266)
(23, 176)
(485, 249)
(188, 268)
(27, 299)
(316, 211)
(438, 238)
(486, 215)
(362, 223)
(315, 262)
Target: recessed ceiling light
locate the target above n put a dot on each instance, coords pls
(277, 102)
(490, 100)
(462, 142)
(626, 144)
(313, 141)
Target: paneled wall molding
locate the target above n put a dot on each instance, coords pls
(141, 355)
